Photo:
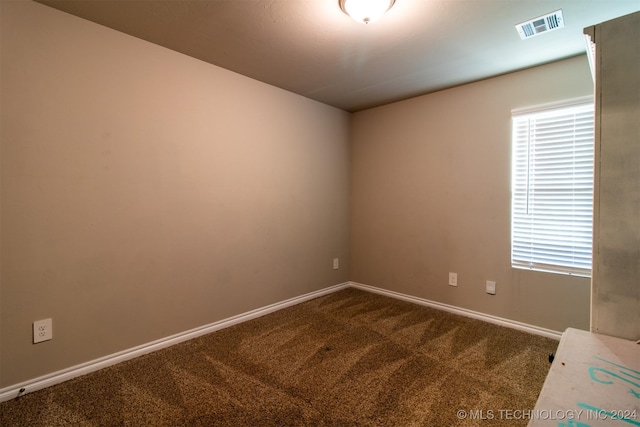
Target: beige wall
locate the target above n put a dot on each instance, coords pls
(431, 195)
(145, 193)
(616, 272)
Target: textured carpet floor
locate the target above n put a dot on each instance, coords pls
(351, 358)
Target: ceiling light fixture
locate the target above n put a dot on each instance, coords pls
(365, 11)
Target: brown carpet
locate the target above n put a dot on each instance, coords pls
(351, 358)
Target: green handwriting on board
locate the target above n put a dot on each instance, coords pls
(613, 373)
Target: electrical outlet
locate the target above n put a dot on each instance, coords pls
(336, 263)
(453, 279)
(491, 287)
(42, 330)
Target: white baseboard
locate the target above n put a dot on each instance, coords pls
(532, 329)
(58, 377)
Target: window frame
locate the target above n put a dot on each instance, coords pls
(539, 247)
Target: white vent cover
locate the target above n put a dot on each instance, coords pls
(541, 24)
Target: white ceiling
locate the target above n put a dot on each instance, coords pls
(312, 48)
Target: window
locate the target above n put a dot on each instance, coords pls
(552, 189)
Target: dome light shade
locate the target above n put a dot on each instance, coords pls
(365, 11)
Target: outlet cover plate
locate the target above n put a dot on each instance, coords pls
(491, 287)
(453, 279)
(42, 330)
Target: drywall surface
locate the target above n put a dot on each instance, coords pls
(616, 274)
(431, 195)
(146, 193)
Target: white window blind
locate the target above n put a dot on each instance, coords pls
(552, 186)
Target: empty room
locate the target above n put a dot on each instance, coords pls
(307, 212)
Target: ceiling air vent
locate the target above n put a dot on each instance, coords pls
(541, 24)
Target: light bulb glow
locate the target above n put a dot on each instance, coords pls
(366, 11)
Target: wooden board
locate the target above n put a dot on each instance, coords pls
(593, 381)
